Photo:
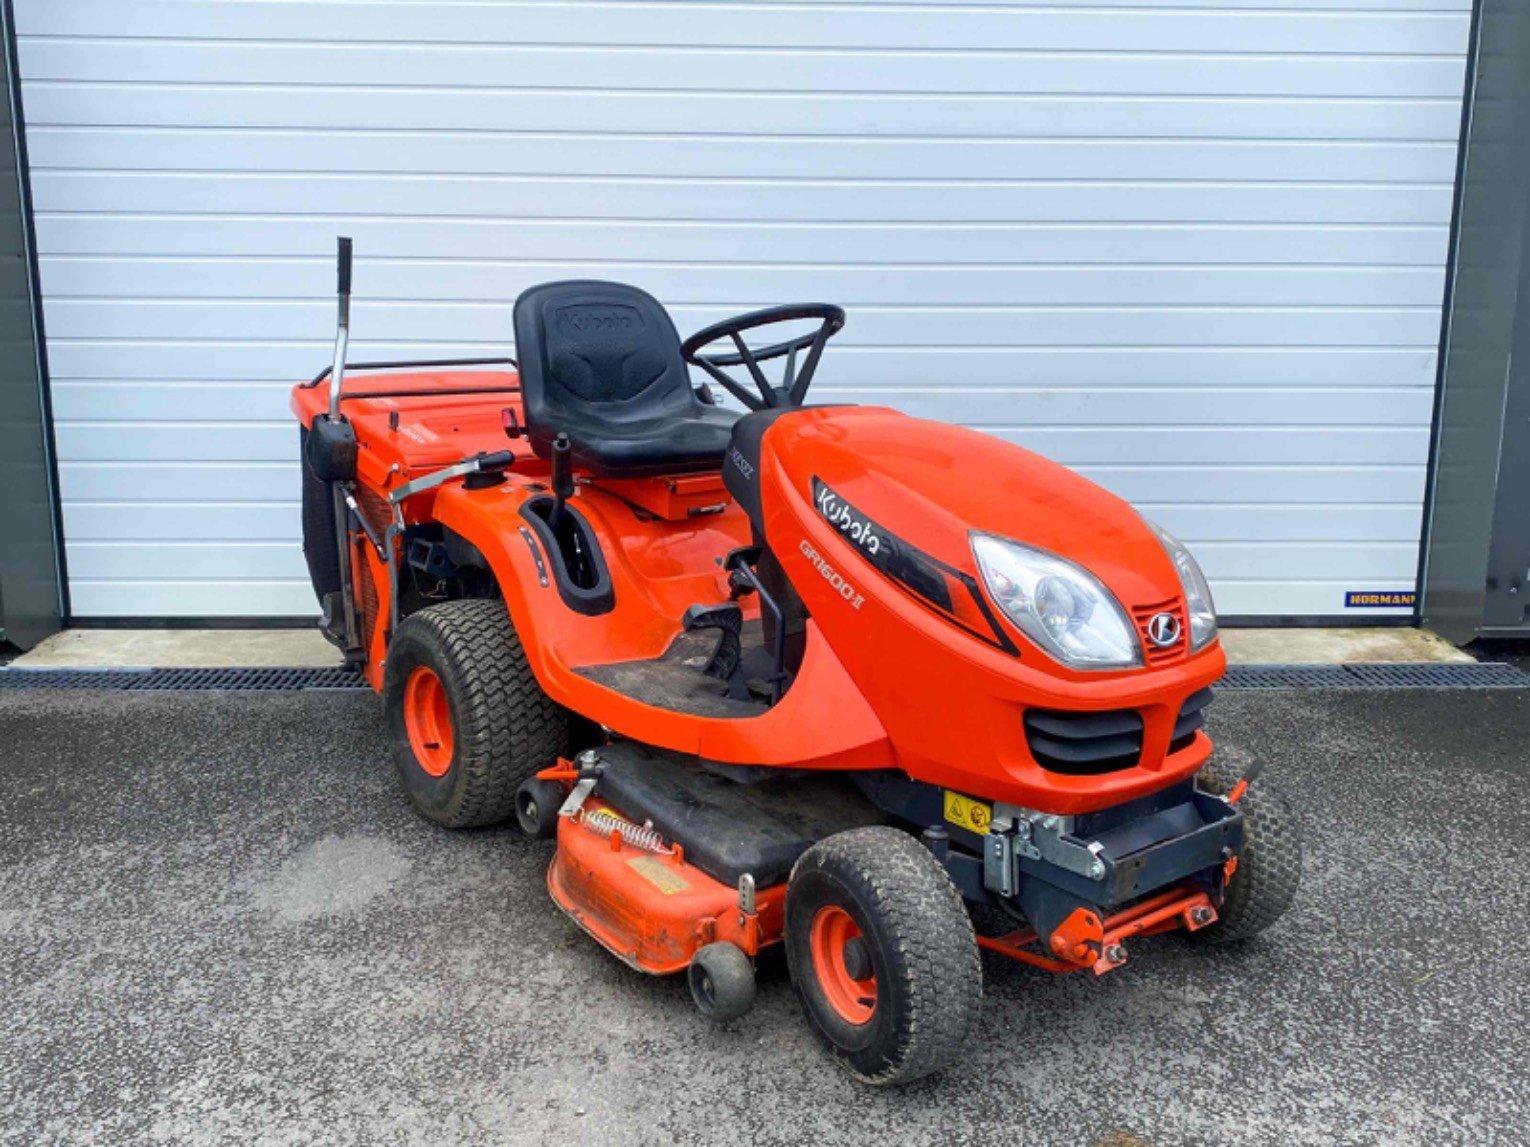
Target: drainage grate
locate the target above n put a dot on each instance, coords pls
(1377, 675)
(161, 680)
(1428, 675)
(1286, 677)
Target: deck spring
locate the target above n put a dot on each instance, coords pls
(603, 822)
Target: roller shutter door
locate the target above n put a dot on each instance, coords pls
(1196, 252)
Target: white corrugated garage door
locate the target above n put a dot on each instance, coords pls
(1196, 252)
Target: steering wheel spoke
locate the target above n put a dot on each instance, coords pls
(767, 392)
(793, 388)
(728, 383)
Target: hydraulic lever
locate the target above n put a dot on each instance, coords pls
(562, 481)
(344, 433)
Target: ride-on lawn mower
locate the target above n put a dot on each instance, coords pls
(831, 677)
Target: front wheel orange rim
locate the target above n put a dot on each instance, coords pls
(842, 965)
(428, 721)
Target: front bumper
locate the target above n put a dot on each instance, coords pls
(1112, 857)
(1086, 883)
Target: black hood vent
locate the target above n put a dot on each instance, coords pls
(1084, 744)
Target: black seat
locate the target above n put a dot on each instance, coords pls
(601, 363)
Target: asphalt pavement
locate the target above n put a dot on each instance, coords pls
(220, 923)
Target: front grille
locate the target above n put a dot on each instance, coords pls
(1192, 715)
(1084, 744)
(1154, 655)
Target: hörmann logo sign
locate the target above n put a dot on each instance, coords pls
(1380, 599)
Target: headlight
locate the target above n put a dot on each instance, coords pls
(1062, 607)
(1198, 603)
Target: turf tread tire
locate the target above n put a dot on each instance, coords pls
(923, 940)
(1269, 870)
(504, 727)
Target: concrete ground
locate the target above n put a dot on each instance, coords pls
(182, 649)
(223, 648)
(220, 923)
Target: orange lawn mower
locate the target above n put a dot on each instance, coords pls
(830, 677)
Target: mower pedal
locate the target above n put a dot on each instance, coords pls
(724, 666)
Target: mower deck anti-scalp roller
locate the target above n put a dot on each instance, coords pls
(829, 677)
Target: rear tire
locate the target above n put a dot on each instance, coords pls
(1269, 869)
(882, 954)
(467, 720)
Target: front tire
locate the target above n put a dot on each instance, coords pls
(466, 718)
(1264, 884)
(882, 954)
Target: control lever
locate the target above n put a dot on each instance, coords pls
(490, 471)
(1250, 775)
(562, 480)
(342, 437)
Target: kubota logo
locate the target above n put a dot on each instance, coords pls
(1163, 629)
(586, 319)
(841, 586)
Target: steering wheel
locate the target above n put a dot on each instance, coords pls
(794, 385)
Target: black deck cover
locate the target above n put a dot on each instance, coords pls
(728, 828)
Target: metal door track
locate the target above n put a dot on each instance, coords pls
(1427, 675)
(163, 680)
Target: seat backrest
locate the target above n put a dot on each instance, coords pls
(596, 352)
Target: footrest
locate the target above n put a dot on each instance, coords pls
(728, 620)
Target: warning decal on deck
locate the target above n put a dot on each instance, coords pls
(659, 874)
(967, 813)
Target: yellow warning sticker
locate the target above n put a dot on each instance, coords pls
(967, 813)
(659, 874)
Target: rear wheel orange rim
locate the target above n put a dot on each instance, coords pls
(842, 964)
(428, 721)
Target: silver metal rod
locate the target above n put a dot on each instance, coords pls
(430, 481)
(343, 321)
(337, 372)
(394, 531)
(347, 582)
(366, 527)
